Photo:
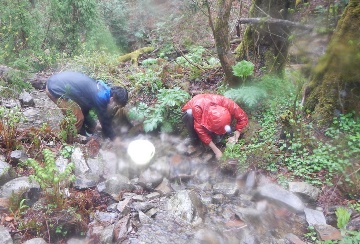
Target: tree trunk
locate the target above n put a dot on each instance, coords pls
(266, 44)
(220, 29)
(335, 83)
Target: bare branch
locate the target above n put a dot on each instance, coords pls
(270, 20)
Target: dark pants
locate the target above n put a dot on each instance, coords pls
(84, 122)
(188, 120)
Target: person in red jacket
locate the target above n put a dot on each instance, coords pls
(206, 115)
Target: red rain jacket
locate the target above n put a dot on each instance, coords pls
(200, 105)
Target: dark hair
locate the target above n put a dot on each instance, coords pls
(120, 95)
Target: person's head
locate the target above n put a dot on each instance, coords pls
(119, 95)
(218, 120)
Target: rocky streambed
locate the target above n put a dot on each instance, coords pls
(181, 196)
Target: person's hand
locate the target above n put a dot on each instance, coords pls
(216, 150)
(234, 138)
(218, 154)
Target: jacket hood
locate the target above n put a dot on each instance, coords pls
(216, 118)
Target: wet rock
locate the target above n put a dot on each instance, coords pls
(188, 206)
(164, 188)
(18, 156)
(207, 157)
(314, 217)
(115, 185)
(31, 115)
(35, 241)
(327, 232)
(107, 235)
(105, 217)
(124, 206)
(354, 224)
(218, 199)
(280, 196)
(150, 178)
(228, 189)
(6, 172)
(5, 236)
(144, 219)
(77, 241)
(4, 204)
(208, 236)
(10, 103)
(182, 147)
(142, 206)
(152, 195)
(162, 166)
(26, 100)
(110, 162)
(306, 191)
(293, 239)
(61, 163)
(82, 183)
(121, 229)
(250, 181)
(151, 212)
(138, 198)
(16, 186)
(96, 166)
(81, 167)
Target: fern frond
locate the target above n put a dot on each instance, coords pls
(250, 95)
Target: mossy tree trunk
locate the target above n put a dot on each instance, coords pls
(220, 28)
(335, 83)
(267, 44)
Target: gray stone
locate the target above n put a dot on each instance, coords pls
(314, 217)
(124, 206)
(115, 185)
(150, 178)
(35, 241)
(26, 100)
(304, 190)
(77, 241)
(293, 239)
(279, 195)
(144, 219)
(152, 195)
(61, 163)
(16, 186)
(84, 182)
(187, 205)
(151, 212)
(328, 232)
(5, 236)
(218, 198)
(107, 235)
(106, 217)
(96, 166)
(110, 162)
(6, 172)
(162, 166)
(228, 189)
(18, 156)
(81, 167)
(250, 181)
(164, 188)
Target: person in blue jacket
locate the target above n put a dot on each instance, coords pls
(80, 93)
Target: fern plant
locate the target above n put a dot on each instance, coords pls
(49, 177)
(166, 112)
(248, 95)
